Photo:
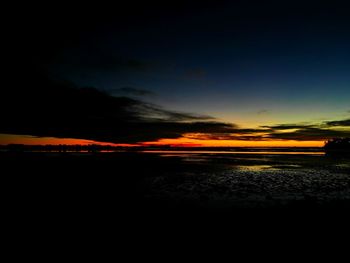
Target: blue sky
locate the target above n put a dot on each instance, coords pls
(247, 63)
(291, 64)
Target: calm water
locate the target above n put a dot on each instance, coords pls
(247, 177)
(253, 177)
(174, 153)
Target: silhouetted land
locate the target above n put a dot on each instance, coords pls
(338, 146)
(111, 148)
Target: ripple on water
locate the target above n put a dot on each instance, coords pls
(265, 167)
(255, 168)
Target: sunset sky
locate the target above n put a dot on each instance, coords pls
(210, 73)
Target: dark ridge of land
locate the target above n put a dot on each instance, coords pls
(338, 146)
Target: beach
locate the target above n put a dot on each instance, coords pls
(173, 180)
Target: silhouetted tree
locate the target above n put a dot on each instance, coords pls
(337, 145)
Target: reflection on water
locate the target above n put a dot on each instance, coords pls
(255, 168)
(253, 178)
(342, 165)
(265, 167)
(178, 153)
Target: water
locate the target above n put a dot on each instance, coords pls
(254, 177)
(230, 178)
(262, 152)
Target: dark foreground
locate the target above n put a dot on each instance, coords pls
(149, 187)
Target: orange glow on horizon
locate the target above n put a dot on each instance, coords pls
(180, 142)
(235, 143)
(32, 140)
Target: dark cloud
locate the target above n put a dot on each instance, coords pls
(288, 126)
(301, 134)
(226, 136)
(338, 123)
(131, 91)
(233, 133)
(41, 106)
(35, 104)
(154, 112)
(309, 134)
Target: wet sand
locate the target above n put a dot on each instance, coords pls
(227, 182)
(205, 181)
(199, 193)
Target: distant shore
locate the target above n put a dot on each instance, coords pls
(110, 148)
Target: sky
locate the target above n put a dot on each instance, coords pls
(212, 73)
